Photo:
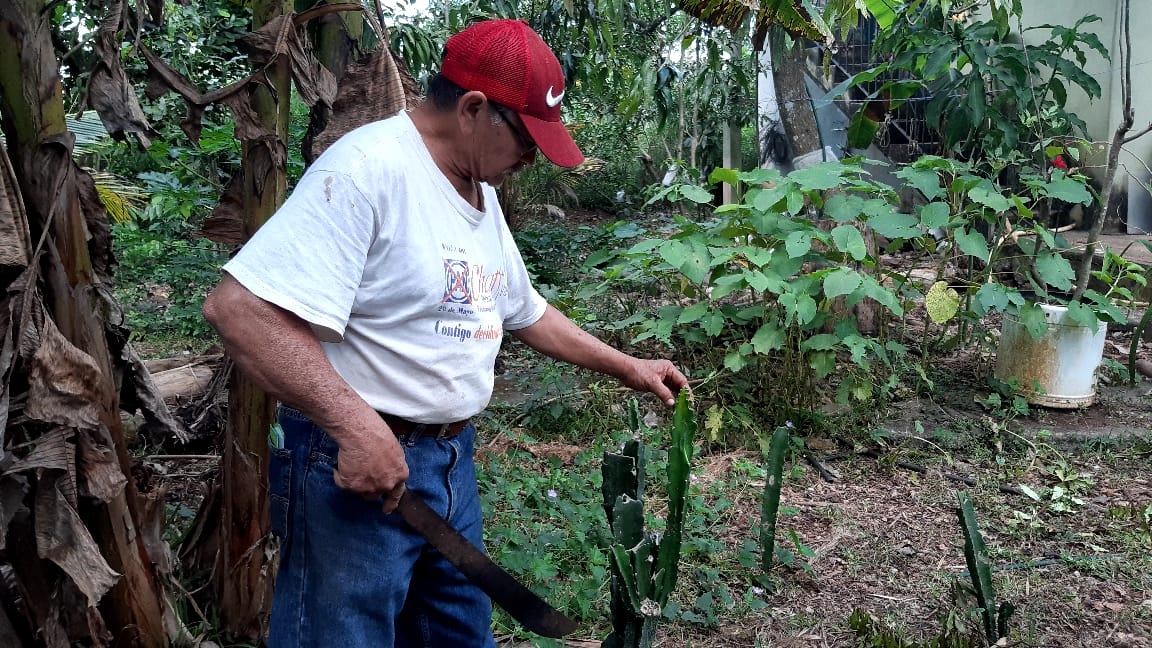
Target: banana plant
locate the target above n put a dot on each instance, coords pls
(644, 564)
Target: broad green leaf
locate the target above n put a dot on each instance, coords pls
(894, 225)
(720, 174)
(820, 342)
(795, 201)
(735, 360)
(986, 195)
(849, 240)
(1055, 270)
(799, 307)
(821, 177)
(767, 198)
(768, 338)
(841, 281)
(822, 362)
(924, 180)
(627, 229)
(728, 284)
(1083, 315)
(935, 215)
(758, 177)
(757, 256)
(757, 280)
(1105, 307)
(798, 244)
(693, 313)
(713, 324)
(842, 208)
(690, 257)
(991, 297)
(1024, 488)
(696, 194)
(972, 243)
(1033, 320)
(862, 130)
(646, 246)
(882, 11)
(883, 295)
(1067, 189)
(942, 302)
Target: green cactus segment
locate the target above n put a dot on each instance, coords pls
(770, 501)
(634, 419)
(1002, 616)
(644, 564)
(627, 522)
(619, 472)
(622, 562)
(979, 568)
(679, 453)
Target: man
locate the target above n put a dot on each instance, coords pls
(372, 306)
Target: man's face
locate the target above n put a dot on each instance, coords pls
(511, 144)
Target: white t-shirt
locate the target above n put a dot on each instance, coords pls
(408, 287)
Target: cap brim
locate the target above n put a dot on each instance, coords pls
(554, 140)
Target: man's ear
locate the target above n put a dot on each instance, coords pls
(470, 109)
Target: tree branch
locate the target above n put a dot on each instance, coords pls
(1127, 118)
(1140, 133)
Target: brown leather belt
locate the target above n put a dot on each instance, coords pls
(406, 430)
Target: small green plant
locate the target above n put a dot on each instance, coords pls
(872, 633)
(995, 618)
(1064, 496)
(764, 283)
(644, 565)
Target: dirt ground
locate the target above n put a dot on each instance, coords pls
(886, 539)
(884, 527)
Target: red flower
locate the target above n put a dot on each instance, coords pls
(1059, 162)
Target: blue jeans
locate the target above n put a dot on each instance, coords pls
(353, 577)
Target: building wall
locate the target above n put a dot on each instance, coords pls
(1102, 115)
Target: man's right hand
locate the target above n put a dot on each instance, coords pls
(373, 466)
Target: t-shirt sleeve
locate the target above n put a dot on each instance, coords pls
(309, 257)
(527, 305)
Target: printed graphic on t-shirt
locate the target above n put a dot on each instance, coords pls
(469, 284)
(470, 290)
(456, 280)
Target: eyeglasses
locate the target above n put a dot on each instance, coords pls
(522, 137)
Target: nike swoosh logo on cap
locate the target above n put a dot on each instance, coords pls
(553, 101)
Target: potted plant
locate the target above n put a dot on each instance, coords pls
(1017, 265)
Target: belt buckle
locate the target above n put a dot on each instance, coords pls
(442, 433)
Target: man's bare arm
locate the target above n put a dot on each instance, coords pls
(282, 355)
(558, 337)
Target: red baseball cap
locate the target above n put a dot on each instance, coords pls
(512, 65)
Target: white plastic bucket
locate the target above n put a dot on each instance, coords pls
(1059, 369)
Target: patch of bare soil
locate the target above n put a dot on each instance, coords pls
(886, 540)
(886, 537)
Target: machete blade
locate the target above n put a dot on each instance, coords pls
(529, 610)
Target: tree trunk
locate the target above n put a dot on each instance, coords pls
(788, 71)
(733, 130)
(246, 562)
(79, 540)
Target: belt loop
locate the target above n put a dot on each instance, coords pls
(443, 431)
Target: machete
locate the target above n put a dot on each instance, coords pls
(530, 610)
